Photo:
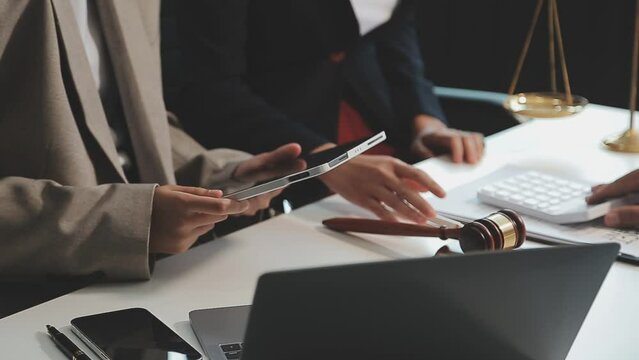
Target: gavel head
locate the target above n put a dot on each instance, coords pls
(504, 229)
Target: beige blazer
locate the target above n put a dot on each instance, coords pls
(66, 207)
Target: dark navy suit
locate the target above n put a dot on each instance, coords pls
(268, 68)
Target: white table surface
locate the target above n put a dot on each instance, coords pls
(224, 272)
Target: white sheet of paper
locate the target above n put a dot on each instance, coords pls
(461, 203)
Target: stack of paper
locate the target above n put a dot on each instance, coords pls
(462, 204)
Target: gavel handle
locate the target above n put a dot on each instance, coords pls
(389, 228)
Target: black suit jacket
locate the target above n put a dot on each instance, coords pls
(263, 66)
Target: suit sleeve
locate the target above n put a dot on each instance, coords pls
(204, 64)
(50, 230)
(400, 58)
(197, 166)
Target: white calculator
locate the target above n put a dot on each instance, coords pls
(544, 196)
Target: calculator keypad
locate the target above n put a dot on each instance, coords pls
(537, 191)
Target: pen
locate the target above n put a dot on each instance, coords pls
(66, 345)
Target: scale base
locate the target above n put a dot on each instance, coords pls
(627, 142)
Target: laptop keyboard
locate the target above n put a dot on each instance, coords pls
(232, 351)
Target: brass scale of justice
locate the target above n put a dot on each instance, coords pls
(555, 104)
(505, 229)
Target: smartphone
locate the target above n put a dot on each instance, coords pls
(316, 164)
(131, 334)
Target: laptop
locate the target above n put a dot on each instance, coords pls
(525, 304)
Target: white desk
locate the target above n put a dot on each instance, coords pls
(224, 272)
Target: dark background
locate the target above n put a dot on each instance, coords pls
(475, 44)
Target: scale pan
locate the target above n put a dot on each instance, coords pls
(544, 104)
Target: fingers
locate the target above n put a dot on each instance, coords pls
(282, 161)
(456, 149)
(257, 203)
(407, 202)
(604, 192)
(473, 147)
(270, 171)
(275, 193)
(402, 199)
(420, 150)
(462, 146)
(208, 202)
(624, 216)
(260, 202)
(400, 206)
(403, 170)
(479, 142)
(378, 209)
(386, 186)
(423, 153)
(197, 191)
(418, 203)
(181, 214)
(267, 165)
(471, 153)
(409, 205)
(285, 153)
(202, 219)
(598, 194)
(199, 231)
(213, 206)
(622, 186)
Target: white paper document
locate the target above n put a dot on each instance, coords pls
(461, 203)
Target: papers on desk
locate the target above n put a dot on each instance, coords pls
(461, 203)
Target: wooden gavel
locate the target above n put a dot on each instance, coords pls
(504, 229)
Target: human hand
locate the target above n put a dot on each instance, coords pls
(281, 161)
(386, 186)
(260, 202)
(434, 138)
(181, 214)
(271, 164)
(623, 216)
